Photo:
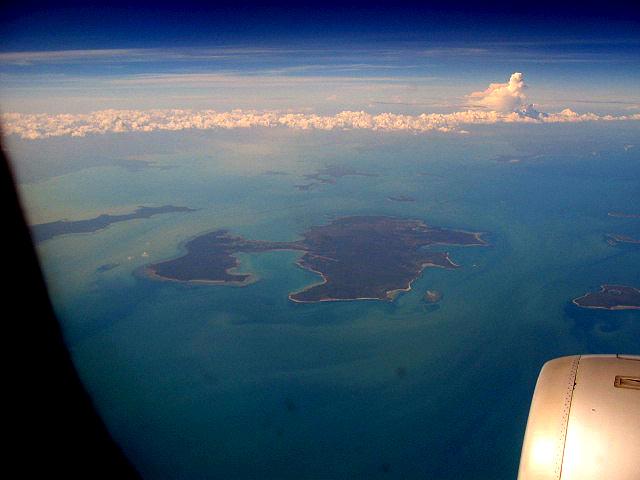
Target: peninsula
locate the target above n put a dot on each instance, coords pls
(46, 231)
(367, 257)
(611, 297)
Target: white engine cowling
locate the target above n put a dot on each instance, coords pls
(584, 421)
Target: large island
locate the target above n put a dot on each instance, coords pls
(611, 297)
(368, 257)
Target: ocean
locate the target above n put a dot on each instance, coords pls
(201, 381)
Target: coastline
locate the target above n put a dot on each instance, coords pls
(477, 235)
(390, 295)
(149, 272)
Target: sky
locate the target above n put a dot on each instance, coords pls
(318, 59)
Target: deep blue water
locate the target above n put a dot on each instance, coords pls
(226, 382)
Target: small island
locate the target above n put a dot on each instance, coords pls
(401, 198)
(305, 187)
(107, 267)
(611, 297)
(46, 231)
(514, 159)
(624, 215)
(357, 258)
(432, 296)
(329, 175)
(615, 239)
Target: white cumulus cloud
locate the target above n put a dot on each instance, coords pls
(502, 97)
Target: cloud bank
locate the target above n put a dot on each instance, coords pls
(38, 126)
(501, 103)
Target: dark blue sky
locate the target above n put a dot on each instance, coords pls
(82, 25)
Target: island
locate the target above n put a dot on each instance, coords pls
(611, 297)
(401, 198)
(624, 215)
(46, 231)
(513, 159)
(329, 175)
(432, 296)
(357, 258)
(305, 187)
(106, 267)
(133, 165)
(615, 239)
(506, 159)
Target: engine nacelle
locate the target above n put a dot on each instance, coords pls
(584, 421)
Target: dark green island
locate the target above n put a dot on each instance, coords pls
(611, 297)
(368, 257)
(46, 231)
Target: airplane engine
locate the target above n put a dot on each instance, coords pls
(584, 421)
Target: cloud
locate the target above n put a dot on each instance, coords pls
(501, 102)
(128, 55)
(37, 126)
(63, 56)
(502, 97)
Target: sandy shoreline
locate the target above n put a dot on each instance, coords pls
(390, 295)
(603, 289)
(594, 307)
(251, 278)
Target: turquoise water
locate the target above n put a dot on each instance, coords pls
(227, 382)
